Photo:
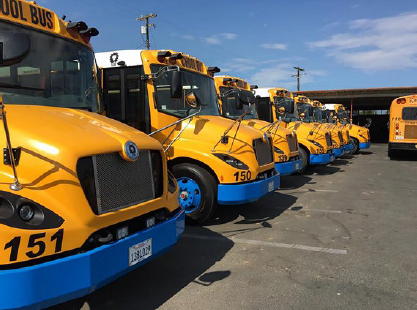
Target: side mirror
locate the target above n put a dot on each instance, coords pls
(335, 118)
(14, 47)
(281, 110)
(192, 100)
(245, 97)
(176, 84)
(302, 115)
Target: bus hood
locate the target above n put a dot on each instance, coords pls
(49, 136)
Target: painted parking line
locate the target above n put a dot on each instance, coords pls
(321, 210)
(270, 244)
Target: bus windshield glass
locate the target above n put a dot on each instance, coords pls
(409, 114)
(230, 98)
(56, 72)
(290, 111)
(318, 115)
(307, 110)
(201, 85)
(343, 116)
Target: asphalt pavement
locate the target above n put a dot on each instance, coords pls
(341, 236)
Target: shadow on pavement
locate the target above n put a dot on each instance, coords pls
(405, 156)
(294, 181)
(151, 285)
(365, 152)
(261, 211)
(321, 170)
(341, 162)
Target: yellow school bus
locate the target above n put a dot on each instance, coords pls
(403, 125)
(331, 120)
(359, 136)
(305, 107)
(229, 90)
(278, 104)
(172, 97)
(84, 198)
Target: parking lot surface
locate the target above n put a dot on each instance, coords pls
(341, 236)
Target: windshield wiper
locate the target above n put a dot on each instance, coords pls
(5, 85)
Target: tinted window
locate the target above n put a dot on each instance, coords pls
(409, 114)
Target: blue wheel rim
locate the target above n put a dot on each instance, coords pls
(189, 194)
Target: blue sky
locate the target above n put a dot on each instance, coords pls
(341, 44)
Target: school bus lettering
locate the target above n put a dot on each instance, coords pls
(28, 13)
(36, 245)
(191, 63)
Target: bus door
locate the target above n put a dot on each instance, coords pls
(123, 98)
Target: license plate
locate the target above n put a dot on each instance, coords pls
(271, 186)
(150, 222)
(140, 251)
(122, 232)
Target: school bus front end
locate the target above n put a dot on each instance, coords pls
(316, 147)
(215, 160)
(84, 199)
(403, 125)
(286, 153)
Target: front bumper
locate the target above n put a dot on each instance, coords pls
(233, 194)
(60, 280)
(322, 159)
(364, 145)
(339, 152)
(289, 167)
(348, 147)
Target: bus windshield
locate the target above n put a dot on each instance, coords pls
(201, 85)
(307, 110)
(56, 72)
(343, 116)
(290, 111)
(229, 104)
(409, 114)
(318, 115)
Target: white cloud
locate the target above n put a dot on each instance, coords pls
(187, 37)
(229, 36)
(216, 39)
(240, 65)
(274, 46)
(388, 43)
(212, 40)
(281, 76)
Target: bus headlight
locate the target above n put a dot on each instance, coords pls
(19, 212)
(316, 144)
(278, 150)
(235, 163)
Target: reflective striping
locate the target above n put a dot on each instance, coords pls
(270, 244)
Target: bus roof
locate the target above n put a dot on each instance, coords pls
(39, 18)
(231, 81)
(114, 58)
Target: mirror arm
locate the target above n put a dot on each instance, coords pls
(158, 74)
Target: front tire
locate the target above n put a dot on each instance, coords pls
(197, 190)
(355, 149)
(304, 157)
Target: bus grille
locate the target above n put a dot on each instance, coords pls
(410, 132)
(263, 151)
(111, 183)
(328, 140)
(292, 143)
(340, 137)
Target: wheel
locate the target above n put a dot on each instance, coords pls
(304, 157)
(197, 192)
(392, 154)
(355, 149)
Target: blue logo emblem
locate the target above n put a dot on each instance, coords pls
(131, 150)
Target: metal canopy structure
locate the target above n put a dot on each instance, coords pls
(361, 98)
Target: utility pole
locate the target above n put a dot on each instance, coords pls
(145, 29)
(298, 76)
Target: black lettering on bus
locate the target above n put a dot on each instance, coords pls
(14, 8)
(49, 21)
(5, 7)
(33, 15)
(22, 14)
(42, 17)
